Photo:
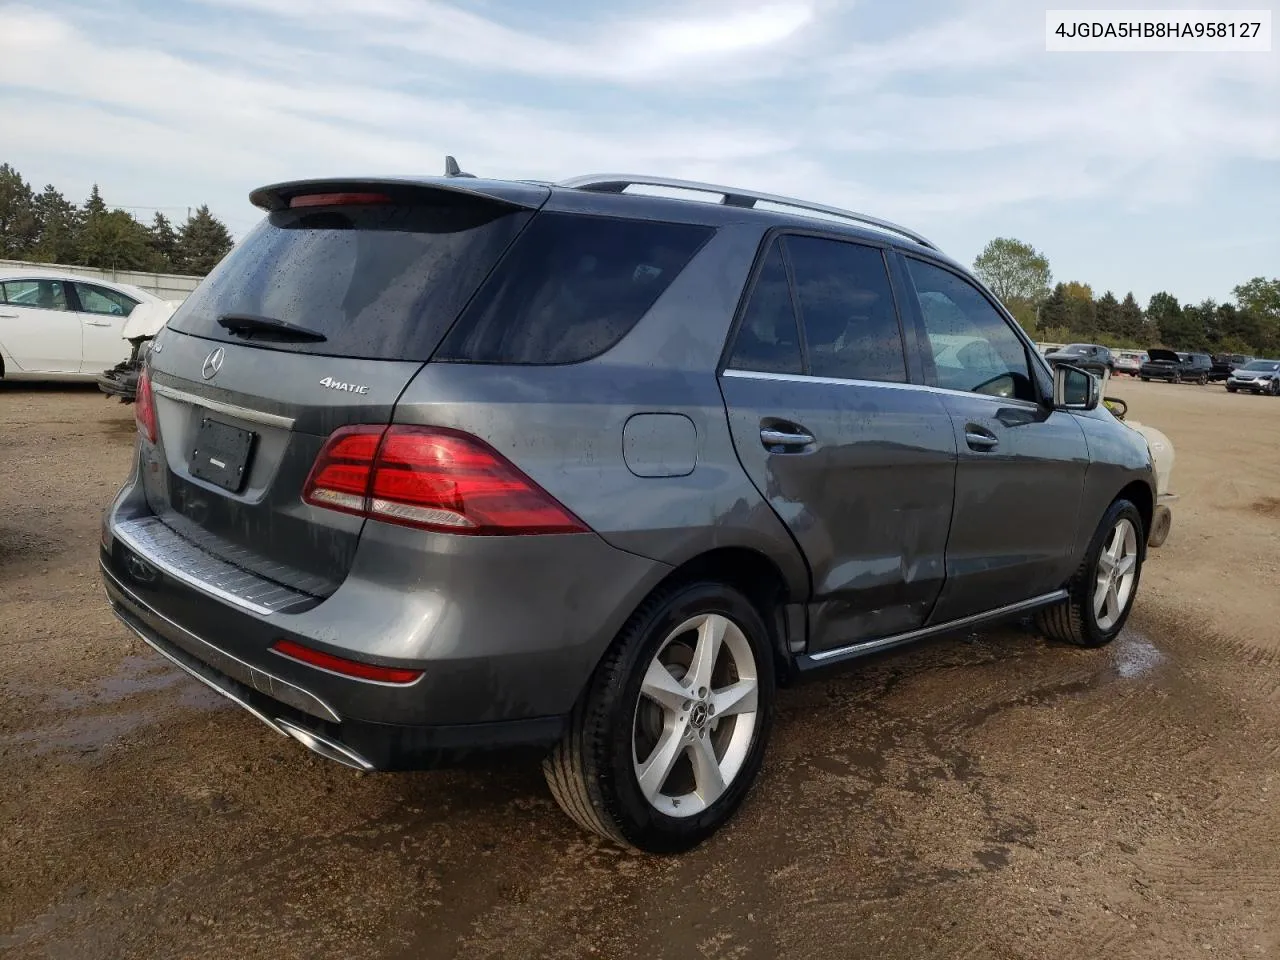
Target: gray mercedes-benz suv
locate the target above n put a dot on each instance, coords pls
(440, 465)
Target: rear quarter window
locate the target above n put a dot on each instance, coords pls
(570, 288)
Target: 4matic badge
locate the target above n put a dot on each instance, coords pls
(333, 384)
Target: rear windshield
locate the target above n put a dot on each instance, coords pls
(571, 288)
(379, 282)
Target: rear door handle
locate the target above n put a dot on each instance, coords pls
(980, 438)
(772, 437)
(9, 316)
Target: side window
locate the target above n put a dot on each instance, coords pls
(571, 288)
(42, 294)
(847, 310)
(974, 348)
(101, 300)
(768, 341)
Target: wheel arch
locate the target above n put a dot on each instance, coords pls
(758, 578)
(1140, 494)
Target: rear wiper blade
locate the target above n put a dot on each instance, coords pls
(248, 324)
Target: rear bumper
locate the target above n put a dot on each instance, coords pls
(292, 711)
(506, 634)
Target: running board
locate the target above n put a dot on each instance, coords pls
(825, 658)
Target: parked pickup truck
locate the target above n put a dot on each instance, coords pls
(1175, 367)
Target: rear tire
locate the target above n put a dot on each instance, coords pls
(669, 736)
(1204, 378)
(1101, 594)
(1145, 379)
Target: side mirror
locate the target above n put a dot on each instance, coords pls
(1074, 389)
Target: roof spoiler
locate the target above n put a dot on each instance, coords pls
(516, 196)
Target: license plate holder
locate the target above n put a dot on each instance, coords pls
(220, 454)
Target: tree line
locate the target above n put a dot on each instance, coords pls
(48, 228)
(1019, 275)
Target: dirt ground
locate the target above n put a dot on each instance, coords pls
(986, 796)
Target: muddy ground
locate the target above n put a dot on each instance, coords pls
(982, 796)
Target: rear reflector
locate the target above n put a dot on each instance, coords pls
(348, 668)
(144, 406)
(338, 199)
(432, 478)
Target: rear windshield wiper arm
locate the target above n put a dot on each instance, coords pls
(247, 324)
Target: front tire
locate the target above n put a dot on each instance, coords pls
(1101, 594)
(1231, 389)
(1275, 388)
(671, 732)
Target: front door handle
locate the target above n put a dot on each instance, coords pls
(9, 316)
(980, 438)
(773, 437)
(98, 323)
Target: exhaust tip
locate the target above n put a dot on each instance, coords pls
(325, 747)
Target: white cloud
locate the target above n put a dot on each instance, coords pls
(951, 122)
(660, 45)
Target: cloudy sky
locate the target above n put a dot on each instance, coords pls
(1131, 171)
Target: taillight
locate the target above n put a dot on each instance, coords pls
(348, 668)
(338, 199)
(432, 478)
(144, 407)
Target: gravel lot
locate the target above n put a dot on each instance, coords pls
(982, 796)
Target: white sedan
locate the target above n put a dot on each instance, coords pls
(56, 326)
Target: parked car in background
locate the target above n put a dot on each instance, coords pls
(1176, 367)
(1048, 348)
(432, 466)
(1224, 363)
(1087, 356)
(59, 326)
(1256, 376)
(147, 319)
(1129, 361)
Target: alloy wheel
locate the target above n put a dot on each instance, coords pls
(696, 715)
(1116, 574)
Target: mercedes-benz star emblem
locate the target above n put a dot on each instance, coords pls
(212, 364)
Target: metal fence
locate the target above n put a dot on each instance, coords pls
(169, 286)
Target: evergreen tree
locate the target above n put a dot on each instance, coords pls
(1055, 313)
(18, 227)
(1107, 311)
(1130, 323)
(203, 241)
(164, 244)
(1081, 315)
(115, 241)
(95, 206)
(1176, 330)
(59, 227)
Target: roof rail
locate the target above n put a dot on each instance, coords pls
(733, 197)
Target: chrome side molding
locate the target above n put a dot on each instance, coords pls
(868, 646)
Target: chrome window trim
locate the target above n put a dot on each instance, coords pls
(228, 409)
(890, 384)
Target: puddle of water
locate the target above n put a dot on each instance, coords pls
(135, 674)
(1134, 655)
